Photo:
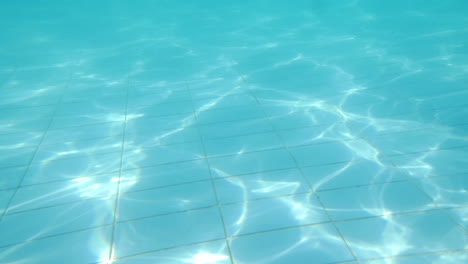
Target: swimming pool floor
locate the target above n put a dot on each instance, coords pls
(240, 133)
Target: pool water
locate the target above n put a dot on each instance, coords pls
(234, 132)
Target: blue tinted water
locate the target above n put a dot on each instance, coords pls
(283, 132)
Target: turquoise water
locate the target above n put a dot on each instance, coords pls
(283, 132)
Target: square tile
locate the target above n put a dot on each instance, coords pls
(433, 163)
(350, 174)
(447, 191)
(320, 243)
(235, 128)
(146, 83)
(402, 235)
(225, 102)
(215, 90)
(62, 122)
(410, 141)
(18, 228)
(103, 130)
(89, 246)
(165, 109)
(379, 107)
(115, 106)
(289, 119)
(75, 149)
(66, 169)
(165, 96)
(260, 185)
(274, 213)
(241, 144)
(367, 127)
(154, 138)
(335, 152)
(315, 135)
(230, 114)
(168, 231)
(253, 162)
(166, 200)
(375, 200)
(161, 124)
(56, 193)
(164, 175)
(306, 118)
(141, 157)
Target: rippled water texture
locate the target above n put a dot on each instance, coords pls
(242, 132)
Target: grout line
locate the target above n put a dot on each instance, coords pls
(416, 182)
(163, 250)
(117, 195)
(236, 236)
(339, 262)
(212, 179)
(242, 202)
(186, 161)
(222, 178)
(244, 135)
(327, 96)
(58, 205)
(306, 180)
(54, 235)
(10, 200)
(384, 116)
(255, 133)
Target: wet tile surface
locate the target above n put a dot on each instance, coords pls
(233, 133)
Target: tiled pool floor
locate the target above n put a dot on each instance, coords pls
(284, 137)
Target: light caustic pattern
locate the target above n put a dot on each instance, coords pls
(249, 132)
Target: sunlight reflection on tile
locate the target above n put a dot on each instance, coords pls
(403, 235)
(203, 253)
(231, 131)
(319, 242)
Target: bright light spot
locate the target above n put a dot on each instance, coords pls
(107, 260)
(67, 152)
(81, 180)
(386, 214)
(133, 116)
